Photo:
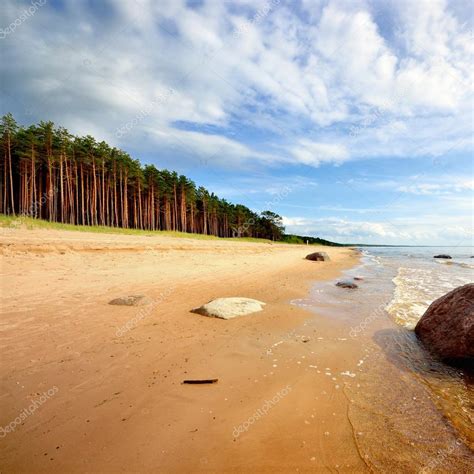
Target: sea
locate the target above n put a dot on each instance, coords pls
(410, 411)
(419, 278)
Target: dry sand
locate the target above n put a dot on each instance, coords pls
(119, 404)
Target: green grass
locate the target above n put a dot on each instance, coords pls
(30, 223)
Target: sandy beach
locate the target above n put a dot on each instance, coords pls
(117, 402)
(165, 173)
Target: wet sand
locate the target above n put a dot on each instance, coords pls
(409, 411)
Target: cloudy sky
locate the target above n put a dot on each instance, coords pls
(352, 119)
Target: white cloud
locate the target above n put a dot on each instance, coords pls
(208, 148)
(335, 82)
(335, 71)
(401, 231)
(313, 153)
(447, 187)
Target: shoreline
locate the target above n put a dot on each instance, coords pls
(395, 381)
(119, 397)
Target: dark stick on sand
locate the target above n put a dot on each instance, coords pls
(200, 381)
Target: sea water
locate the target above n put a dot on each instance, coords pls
(420, 278)
(410, 411)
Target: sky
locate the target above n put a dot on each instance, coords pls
(351, 119)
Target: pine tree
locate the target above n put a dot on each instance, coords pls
(48, 173)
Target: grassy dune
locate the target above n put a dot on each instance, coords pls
(31, 223)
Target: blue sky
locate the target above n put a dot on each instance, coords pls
(351, 119)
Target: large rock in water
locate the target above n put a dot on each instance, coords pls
(228, 308)
(318, 257)
(447, 327)
(443, 256)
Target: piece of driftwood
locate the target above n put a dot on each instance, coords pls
(197, 381)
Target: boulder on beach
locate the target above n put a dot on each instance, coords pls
(347, 284)
(442, 256)
(134, 300)
(447, 327)
(318, 257)
(228, 308)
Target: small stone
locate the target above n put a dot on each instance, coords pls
(134, 300)
(346, 284)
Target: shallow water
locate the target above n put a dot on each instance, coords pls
(409, 410)
(421, 279)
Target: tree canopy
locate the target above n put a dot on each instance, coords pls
(50, 174)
